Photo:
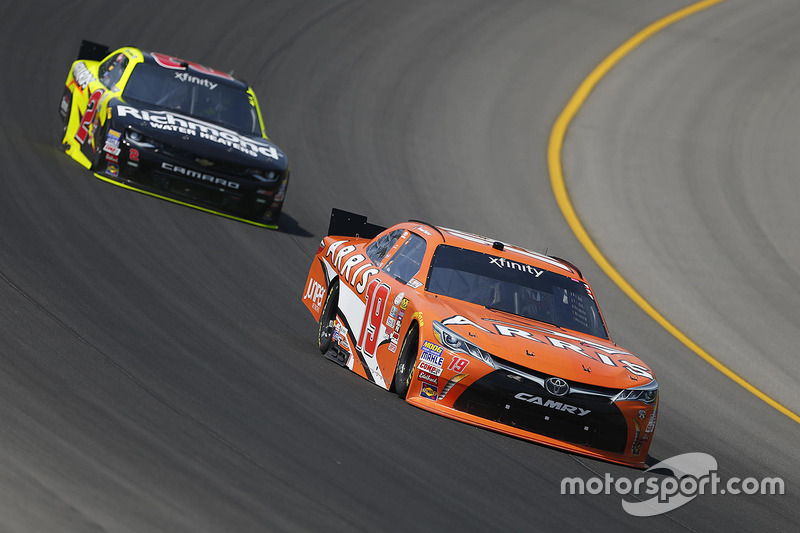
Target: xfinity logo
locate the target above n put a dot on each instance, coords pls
(185, 76)
(558, 406)
(502, 262)
(199, 175)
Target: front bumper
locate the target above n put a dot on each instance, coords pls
(577, 419)
(584, 421)
(213, 187)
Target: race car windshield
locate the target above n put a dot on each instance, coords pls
(196, 96)
(514, 287)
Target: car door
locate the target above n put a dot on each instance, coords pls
(90, 133)
(386, 303)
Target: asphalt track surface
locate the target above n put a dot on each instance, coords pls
(159, 372)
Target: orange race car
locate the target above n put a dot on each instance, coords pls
(482, 332)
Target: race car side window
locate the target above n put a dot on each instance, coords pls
(407, 260)
(110, 70)
(376, 250)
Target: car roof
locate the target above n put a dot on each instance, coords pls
(194, 69)
(479, 243)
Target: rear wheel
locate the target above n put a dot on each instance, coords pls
(327, 318)
(65, 110)
(407, 362)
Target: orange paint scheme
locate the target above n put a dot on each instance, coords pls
(405, 319)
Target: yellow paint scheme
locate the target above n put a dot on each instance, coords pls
(82, 89)
(82, 82)
(87, 84)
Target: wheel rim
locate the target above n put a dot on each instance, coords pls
(407, 363)
(327, 320)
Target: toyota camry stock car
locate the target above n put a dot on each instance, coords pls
(482, 332)
(175, 130)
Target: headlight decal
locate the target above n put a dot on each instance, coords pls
(645, 393)
(139, 139)
(456, 343)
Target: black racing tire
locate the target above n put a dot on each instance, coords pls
(406, 362)
(327, 318)
(65, 120)
(99, 157)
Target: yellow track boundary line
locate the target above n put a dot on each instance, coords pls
(562, 197)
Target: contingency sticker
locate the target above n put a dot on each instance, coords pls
(431, 360)
(112, 170)
(112, 141)
(340, 335)
(395, 320)
(429, 391)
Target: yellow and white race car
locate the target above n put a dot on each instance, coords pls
(175, 130)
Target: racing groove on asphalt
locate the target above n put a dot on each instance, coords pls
(158, 369)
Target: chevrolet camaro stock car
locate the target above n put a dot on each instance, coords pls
(175, 130)
(482, 332)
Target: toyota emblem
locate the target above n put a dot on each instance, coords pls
(556, 386)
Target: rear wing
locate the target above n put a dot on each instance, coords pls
(347, 224)
(92, 51)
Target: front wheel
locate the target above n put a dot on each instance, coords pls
(99, 157)
(328, 318)
(406, 362)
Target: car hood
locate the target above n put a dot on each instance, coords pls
(193, 135)
(542, 347)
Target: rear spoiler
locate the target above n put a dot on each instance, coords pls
(347, 224)
(92, 51)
